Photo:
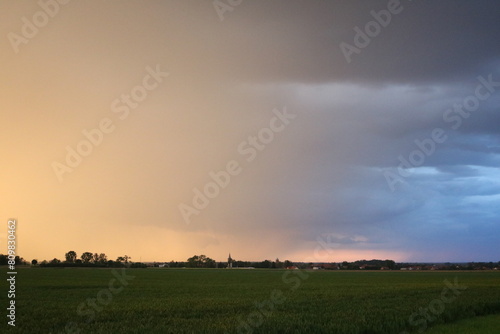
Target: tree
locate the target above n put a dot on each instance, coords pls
(138, 265)
(55, 261)
(265, 264)
(120, 259)
(86, 257)
(70, 256)
(390, 264)
(126, 257)
(200, 261)
(34, 262)
(193, 261)
(210, 263)
(95, 258)
(103, 258)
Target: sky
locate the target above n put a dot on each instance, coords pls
(303, 130)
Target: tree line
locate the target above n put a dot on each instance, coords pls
(202, 261)
(89, 259)
(86, 259)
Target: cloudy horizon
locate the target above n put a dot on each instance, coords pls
(165, 129)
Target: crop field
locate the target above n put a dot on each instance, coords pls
(50, 300)
(488, 324)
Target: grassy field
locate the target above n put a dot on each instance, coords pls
(489, 324)
(247, 301)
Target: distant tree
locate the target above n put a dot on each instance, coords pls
(120, 259)
(200, 261)
(288, 264)
(390, 264)
(194, 261)
(95, 258)
(303, 265)
(4, 259)
(19, 260)
(102, 258)
(176, 264)
(70, 256)
(241, 264)
(126, 257)
(54, 261)
(266, 264)
(86, 257)
(210, 263)
(34, 262)
(138, 265)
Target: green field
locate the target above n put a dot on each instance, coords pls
(489, 324)
(50, 300)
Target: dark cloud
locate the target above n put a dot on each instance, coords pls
(298, 41)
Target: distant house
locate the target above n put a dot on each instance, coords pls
(292, 267)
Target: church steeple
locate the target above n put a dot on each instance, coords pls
(229, 261)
